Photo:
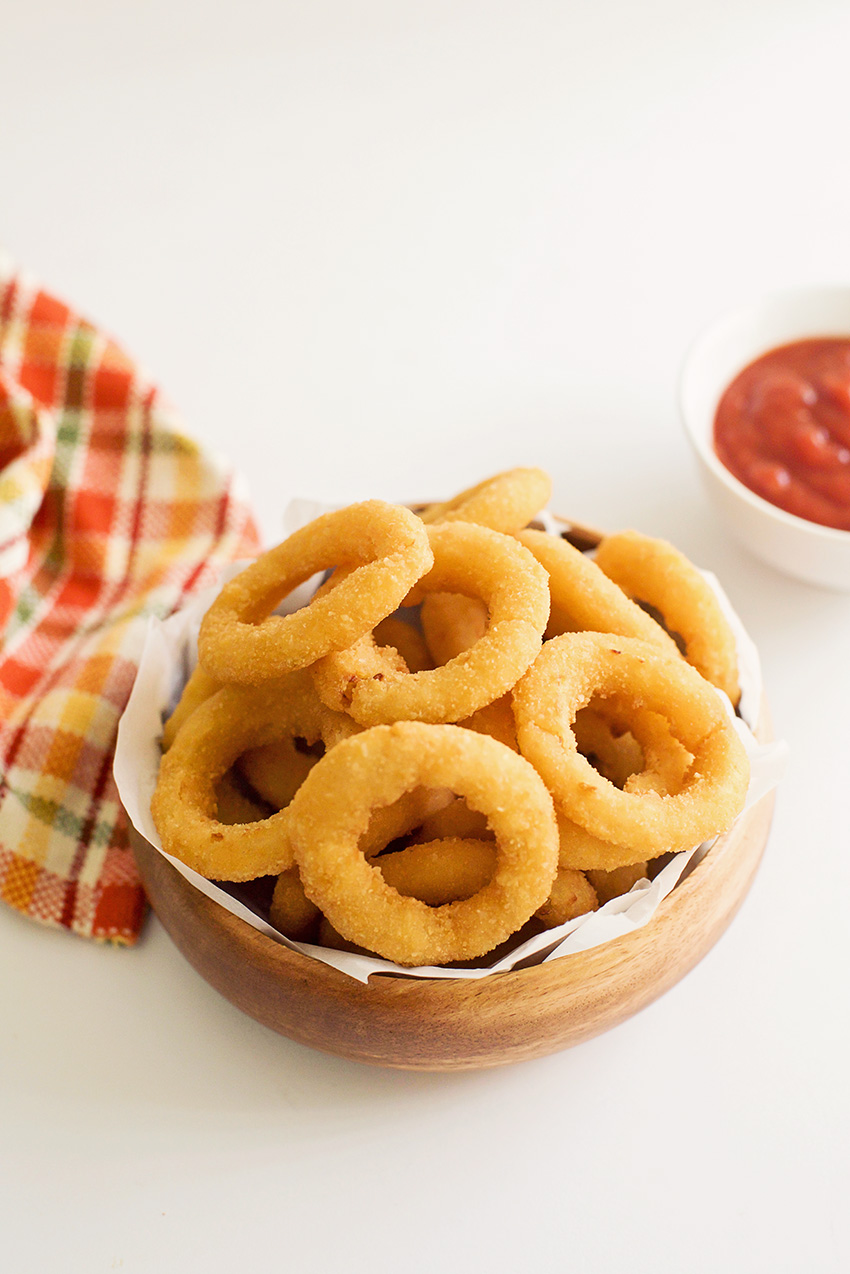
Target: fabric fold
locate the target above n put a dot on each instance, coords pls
(108, 514)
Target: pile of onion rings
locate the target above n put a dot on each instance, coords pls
(472, 733)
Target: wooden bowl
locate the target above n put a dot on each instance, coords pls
(446, 1024)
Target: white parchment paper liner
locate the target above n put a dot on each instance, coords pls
(170, 654)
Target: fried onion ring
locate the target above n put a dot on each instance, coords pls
(235, 806)
(569, 671)
(277, 770)
(584, 599)
(451, 624)
(406, 640)
(448, 870)
(497, 720)
(631, 746)
(471, 559)
(197, 689)
(654, 572)
(390, 822)
(613, 884)
(572, 895)
(184, 805)
(580, 850)
(506, 502)
(242, 641)
(616, 754)
(440, 871)
(291, 910)
(331, 810)
(455, 821)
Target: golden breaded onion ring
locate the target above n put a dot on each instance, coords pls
(235, 806)
(497, 720)
(639, 751)
(184, 805)
(294, 914)
(567, 674)
(506, 502)
(390, 822)
(440, 871)
(572, 895)
(580, 850)
(242, 641)
(406, 640)
(451, 623)
(584, 599)
(467, 558)
(662, 767)
(655, 572)
(454, 821)
(197, 689)
(276, 770)
(291, 910)
(613, 884)
(332, 808)
(613, 752)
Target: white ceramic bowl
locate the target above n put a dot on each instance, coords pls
(818, 554)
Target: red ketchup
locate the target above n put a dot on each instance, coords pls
(783, 429)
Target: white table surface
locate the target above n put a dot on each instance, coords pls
(385, 248)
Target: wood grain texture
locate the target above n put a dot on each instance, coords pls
(431, 1024)
(444, 1024)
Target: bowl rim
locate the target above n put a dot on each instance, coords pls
(512, 1016)
(701, 439)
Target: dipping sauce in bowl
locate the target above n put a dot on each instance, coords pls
(782, 428)
(785, 443)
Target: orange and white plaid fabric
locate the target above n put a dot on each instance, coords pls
(108, 514)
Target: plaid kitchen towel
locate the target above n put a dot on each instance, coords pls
(108, 514)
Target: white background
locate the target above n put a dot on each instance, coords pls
(385, 248)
